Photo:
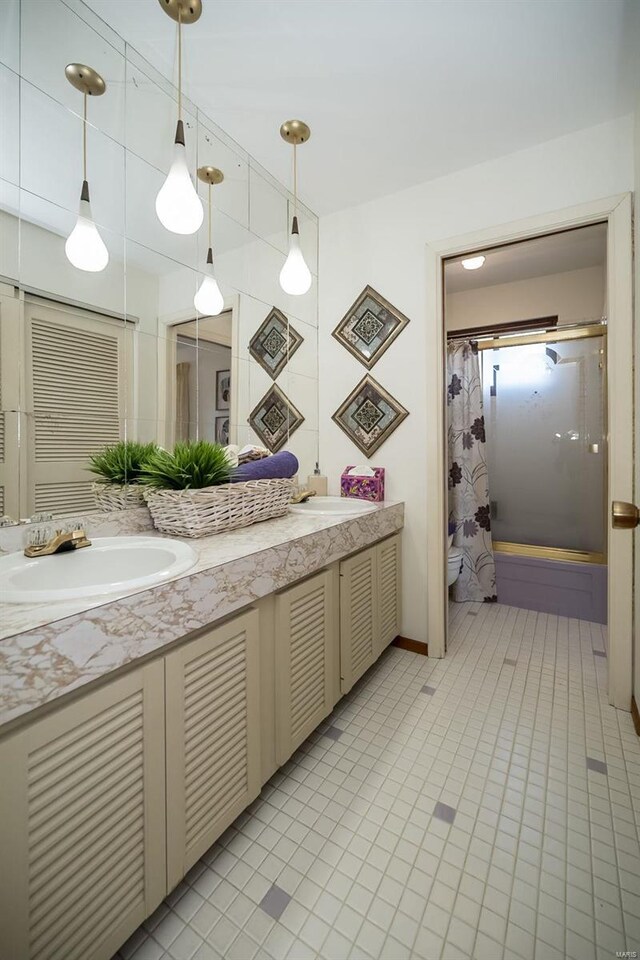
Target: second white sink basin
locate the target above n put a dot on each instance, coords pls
(110, 565)
(339, 506)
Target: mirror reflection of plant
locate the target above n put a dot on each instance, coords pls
(190, 466)
(121, 462)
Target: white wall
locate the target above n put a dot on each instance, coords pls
(636, 646)
(571, 296)
(383, 243)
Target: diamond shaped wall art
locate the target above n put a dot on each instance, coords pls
(369, 327)
(369, 415)
(275, 418)
(274, 343)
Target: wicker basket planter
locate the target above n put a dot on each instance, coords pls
(200, 513)
(117, 496)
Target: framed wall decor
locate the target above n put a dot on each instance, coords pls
(275, 418)
(223, 389)
(369, 327)
(274, 343)
(369, 415)
(222, 430)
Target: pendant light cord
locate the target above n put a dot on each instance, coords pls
(295, 180)
(84, 138)
(179, 63)
(209, 216)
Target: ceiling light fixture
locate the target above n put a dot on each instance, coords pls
(473, 263)
(85, 248)
(208, 300)
(178, 205)
(295, 276)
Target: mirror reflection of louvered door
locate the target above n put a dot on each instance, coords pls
(306, 660)
(213, 737)
(10, 373)
(78, 389)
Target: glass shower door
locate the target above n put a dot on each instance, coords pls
(544, 406)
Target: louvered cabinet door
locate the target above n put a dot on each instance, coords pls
(305, 655)
(389, 590)
(359, 643)
(82, 815)
(213, 737)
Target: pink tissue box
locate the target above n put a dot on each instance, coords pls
(363, 488)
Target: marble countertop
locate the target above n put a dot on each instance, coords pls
(48, 650)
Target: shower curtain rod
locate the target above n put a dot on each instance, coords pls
(528, 328)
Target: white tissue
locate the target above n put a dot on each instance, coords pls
(362, 470)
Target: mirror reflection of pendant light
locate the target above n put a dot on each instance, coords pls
(295, 276)
(85, 247)
(208, 300)
(178, 205)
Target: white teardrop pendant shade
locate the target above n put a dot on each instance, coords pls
(178, 205)
(85, 248)
(208, 300)
(295, 276)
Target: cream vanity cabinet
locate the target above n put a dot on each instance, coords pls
(213, 737)
(110, 797)
(369, 607)
(82, 814)
(306, 659)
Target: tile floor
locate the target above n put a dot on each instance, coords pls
(485, 806)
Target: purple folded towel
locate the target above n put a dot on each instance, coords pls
(280, 465)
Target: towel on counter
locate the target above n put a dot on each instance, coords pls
(280, 465)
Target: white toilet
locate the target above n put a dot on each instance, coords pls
(454, 563)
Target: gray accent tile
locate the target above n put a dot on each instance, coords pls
(510, 663)
(428, 690)
(444, 812)
(275, 901)
(599, 653)
(598, 766)
(334, 733)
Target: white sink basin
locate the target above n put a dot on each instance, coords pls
(110, 565)
(338, 506)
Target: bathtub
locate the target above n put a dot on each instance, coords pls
(569, 589)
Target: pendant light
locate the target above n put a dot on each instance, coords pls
(295, 276)
(208, 300)
(85, 247)
(178, 205)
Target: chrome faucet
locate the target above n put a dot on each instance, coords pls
(61, 542)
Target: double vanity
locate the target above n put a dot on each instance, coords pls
(137, 726)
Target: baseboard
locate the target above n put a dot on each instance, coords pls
(413, 645)
(635, 715)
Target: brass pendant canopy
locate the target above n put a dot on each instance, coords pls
(210, 175)
(183, 11)
(295, 131)
(85, 79)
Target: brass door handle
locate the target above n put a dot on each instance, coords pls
(624, 516)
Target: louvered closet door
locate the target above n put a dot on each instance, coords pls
(82, 813)
(78, 387)
(213, 738)
(306, 641)
(389, 590)
(359, 643)
(11, 325)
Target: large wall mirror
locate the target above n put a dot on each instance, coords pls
(89, 358)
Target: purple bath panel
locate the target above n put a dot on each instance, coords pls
(363, 488)
(553, 586)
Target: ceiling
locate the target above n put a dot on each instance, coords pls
(555, 253)
(396, 91)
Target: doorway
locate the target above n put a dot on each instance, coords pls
(615, 213)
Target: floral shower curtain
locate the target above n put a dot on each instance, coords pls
(469, 507)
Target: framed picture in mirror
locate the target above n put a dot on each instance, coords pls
(222, 431)
(223, 389)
